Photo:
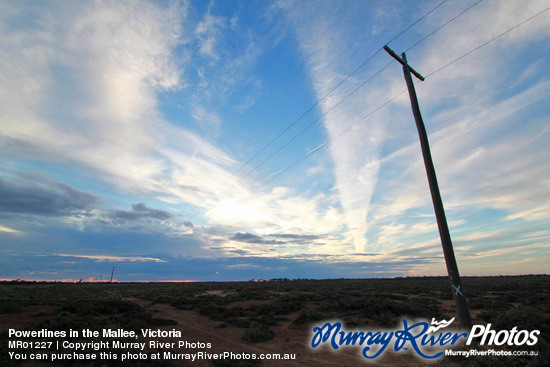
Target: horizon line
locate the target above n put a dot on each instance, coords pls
(252, 280)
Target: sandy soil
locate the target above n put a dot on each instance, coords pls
(288, 339)
(196, 328)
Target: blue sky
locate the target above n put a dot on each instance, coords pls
(141, 135)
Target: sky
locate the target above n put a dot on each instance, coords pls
(237, 140)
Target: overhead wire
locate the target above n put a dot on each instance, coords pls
(417, 21)
(350, 94)
(486, 43)
(364, 118)
(277, 174)
(326, 142)
(306, 112)
(348, 76)
(443, 25)
(320, 118)
(326, 95)
(378, 72)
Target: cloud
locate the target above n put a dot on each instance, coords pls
(483, 160)
(244, 267)
(210, 121)
(37, 194)
(355, 155)
(278, 211)
(90, 102)
(252, 238)
(226, 62)
(6, 229)
(139, 211)
(184, 223)
(104, 73)
(471, 109)
(296, 237)
(250, 99)
(101, 258)
(209, 30)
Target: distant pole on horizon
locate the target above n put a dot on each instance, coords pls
(112, 273)
(450, 260)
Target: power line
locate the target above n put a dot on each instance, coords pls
(444, 25)
(486, 43)
(273, 176)
(306, 112)
(349, 75)
(319, 119)
(330, 92)
(412, 25)
(325, 143)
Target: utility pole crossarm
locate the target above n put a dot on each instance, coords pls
(403, 62)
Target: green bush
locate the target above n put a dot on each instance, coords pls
(257, 333)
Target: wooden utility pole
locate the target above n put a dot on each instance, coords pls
(112, 272)
(450, 260)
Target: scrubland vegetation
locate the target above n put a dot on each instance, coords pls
(257, 308)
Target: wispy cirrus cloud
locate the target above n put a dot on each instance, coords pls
(112, 258)
(209, 31)
(108, 74)
(106, 71)
(355, 154)
(380, 176)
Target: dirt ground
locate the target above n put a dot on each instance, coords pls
(288, 340)
(196, 328)
(210, 313)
